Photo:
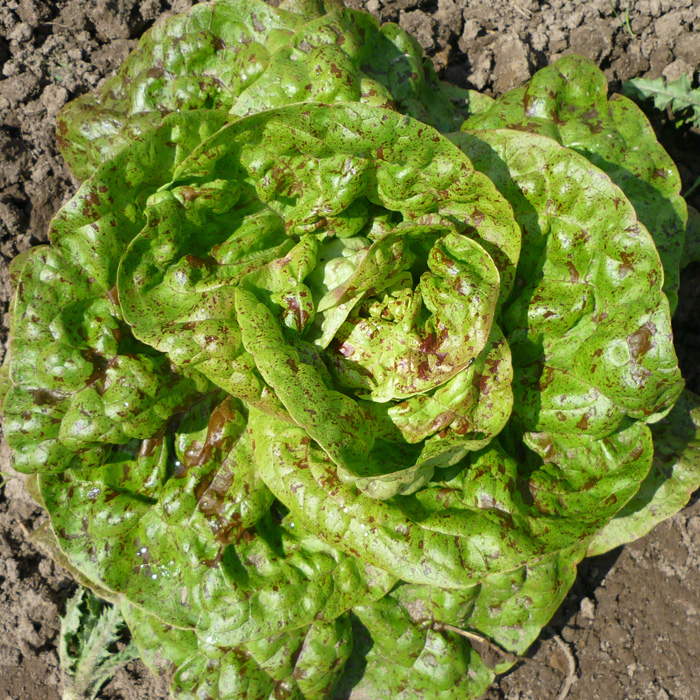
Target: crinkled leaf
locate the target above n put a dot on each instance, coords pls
(214, 268)
(418, 651)
(588, 324)
(199, 59)
(674, 475)
(247, 56)
(180, 525)
(453, 534)
(444, 668)
(80, 381)
(568, 102)
(417, 351)
(327, 646)
(304, 663)
(330, 167)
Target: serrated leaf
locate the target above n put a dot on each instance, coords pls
(677, 94)
(89, 629)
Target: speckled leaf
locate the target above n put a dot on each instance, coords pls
(589, 482)
(199, 59)
(327, 646)
(402, 350)
(338, 262)
(184, 532)
(464, 414)
(443, 668)
(674, 475)
(450, 534)
(329, 417)
(588, 325)
(5, 382)
(246, 56)
(228, 675)
(512, 608)
(80, 381)
(568, 102)
(416, 657)
(177, 278)
(346, 55)
(160, 645)
(226, 236)
(348, 167)
(303, 664)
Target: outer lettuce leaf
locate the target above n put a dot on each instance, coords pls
(415, 656)
(443, 666)
(588, 324)
(454, 533)
(188, 537)
(159, 645)
(80, 381)
(568, 102)
(201, 59)
(303, 664)
(674, 475)
(245, 56)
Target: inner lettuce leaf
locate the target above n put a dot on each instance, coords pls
(245, 56)
(311, 390)
(426, 215)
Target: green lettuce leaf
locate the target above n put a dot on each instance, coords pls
(454, 533)
(674, 475)
(80, 381)
(245, 56)
(420, 650)
(305, 663)
(182, 527)
(588, 323)
(568, 102)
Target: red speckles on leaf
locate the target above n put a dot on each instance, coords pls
(640, 342)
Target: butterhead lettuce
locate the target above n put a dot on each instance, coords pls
(309, 379)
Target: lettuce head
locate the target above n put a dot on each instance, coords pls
(310, 378)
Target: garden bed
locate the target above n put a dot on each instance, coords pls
(627, 618)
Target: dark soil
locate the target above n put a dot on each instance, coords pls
(630, 620)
